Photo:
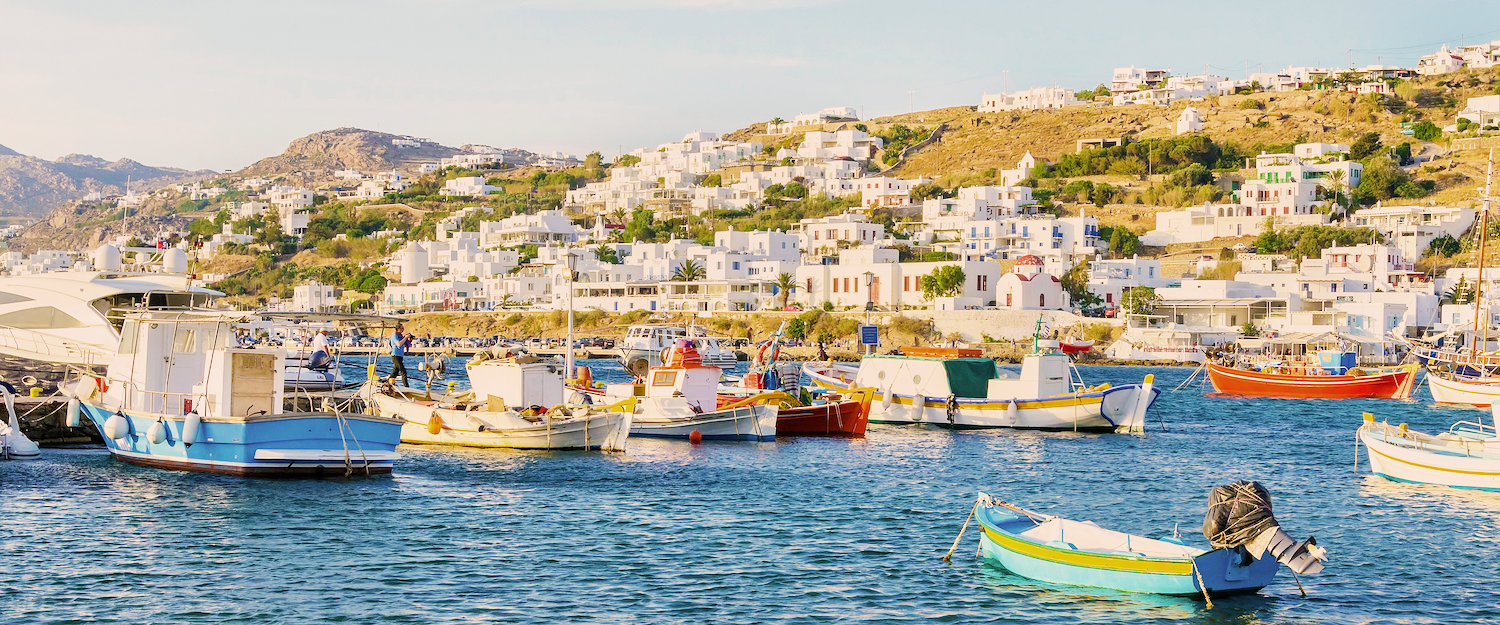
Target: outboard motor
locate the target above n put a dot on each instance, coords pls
(1239, 516)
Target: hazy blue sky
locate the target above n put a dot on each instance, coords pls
(220, 84)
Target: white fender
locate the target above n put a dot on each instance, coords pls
(157, 433)
(1011, 411)
(191, 424)
(75, 412)
(13, 442)
(116, 427)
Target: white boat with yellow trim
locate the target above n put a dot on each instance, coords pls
(1466, 456)
(1451, 388)
(515, 401)
(957, 388)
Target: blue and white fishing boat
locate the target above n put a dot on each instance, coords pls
(179, 393)
(1080, 553)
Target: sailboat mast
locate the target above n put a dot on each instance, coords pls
(1484, 217)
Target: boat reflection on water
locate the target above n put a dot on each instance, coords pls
(1434, 497)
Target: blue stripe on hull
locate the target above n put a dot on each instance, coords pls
(231, 447)
(1397, 479)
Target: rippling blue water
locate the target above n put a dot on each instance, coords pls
(799, 530)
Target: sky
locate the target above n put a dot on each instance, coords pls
(218, 85)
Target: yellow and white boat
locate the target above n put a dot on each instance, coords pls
(1466, 456)
(957, 388)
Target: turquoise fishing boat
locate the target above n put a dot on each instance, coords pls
(1080, 553)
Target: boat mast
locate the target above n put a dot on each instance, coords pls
(1479, 283)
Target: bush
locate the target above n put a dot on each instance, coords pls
(1252, 104)
(1426, 131)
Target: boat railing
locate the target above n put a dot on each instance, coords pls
(42, 346)
(1463, 428)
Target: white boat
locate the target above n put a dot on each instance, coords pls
(515, 401)
(1466, 456)
(643, 346)
(14, 445)
(303, 375)
(680, 398)
(957, 388)
(1457, 389)
(180, 393)
(52, 320)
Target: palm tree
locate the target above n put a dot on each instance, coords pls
(619, 215)
(784, 284)
(689, 271)
(1336, 181)
(607, 254)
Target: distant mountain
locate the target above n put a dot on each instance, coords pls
(350, 148)
(32, 186)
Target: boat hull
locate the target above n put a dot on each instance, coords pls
(267, 445)
(1222, 571)
(1454, 391)
(746, 423)
(1106, 410)
(599, 430)
(847, 418)
(1391, 384)
(1399, 456)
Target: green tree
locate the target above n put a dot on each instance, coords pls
(1461, 293)
(945, 281)
(785, 283)
(796, 329)
(607, 254)
(1426, 131)
(927, 191)
(202, 228)
(689, 271)
(1140, 300)
(1445, 246)
(1364, 146)
(1249, 330)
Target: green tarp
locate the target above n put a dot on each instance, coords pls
(970, 377)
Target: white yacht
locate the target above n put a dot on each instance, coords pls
(73, 318)
(643, 346)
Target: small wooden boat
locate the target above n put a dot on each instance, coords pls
(1380, 383)
(1466, 456)
(680, 398)
(516, 402)
(1449, 388)
(1075, 347)
(951, 389)
(1081, 553)
(835, 416)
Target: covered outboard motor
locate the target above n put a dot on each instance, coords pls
(1239, 516)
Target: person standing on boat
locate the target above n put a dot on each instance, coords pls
(400, 342)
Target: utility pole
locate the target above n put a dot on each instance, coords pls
(910, 100)
(1005, 81)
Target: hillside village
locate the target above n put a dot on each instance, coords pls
(1176, 212)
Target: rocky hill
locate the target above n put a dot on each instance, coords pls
(350, 148)
(31, 186)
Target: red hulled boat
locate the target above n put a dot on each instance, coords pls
(847, 417)
(1379, 383)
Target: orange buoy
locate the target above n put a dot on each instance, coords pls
(696, 437)
(434, 425)
(583, 375)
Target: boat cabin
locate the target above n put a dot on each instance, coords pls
(684, 376)
(1042, 375)
(516, 382)
(179, 362)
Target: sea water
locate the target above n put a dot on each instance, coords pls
(798, 530)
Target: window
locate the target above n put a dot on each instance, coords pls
(1041, 300)
(664, 378)
(1007, 299)
(40, 318)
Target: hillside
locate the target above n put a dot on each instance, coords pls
(31, 186)
(347, 148)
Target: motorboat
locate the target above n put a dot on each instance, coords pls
(958, 388)
(1248, 547)
(1454, 388)
(826, 413)
(1465, 456)
(52, 321)
(515, 401)
(644, 345)
(180, 393)
(679, 399)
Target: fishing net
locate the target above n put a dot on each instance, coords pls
(1237, 513)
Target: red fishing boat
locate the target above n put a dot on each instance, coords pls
(1309, 383)
(846, 417)
(1071, 347)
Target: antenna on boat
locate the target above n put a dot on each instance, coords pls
(1479, 282)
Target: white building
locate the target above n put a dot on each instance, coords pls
(316, 297)
(1287, 184)
(1110, 279)
(848, 143)
(1028, 287)
(290, 198)
(1483, 110)
(872, 274)
(1189, 121)
(1134, 79)
(542, 228)
(1412, 228)
(827, 235)
(1030, 99)
(467, 186)
(826, 116)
